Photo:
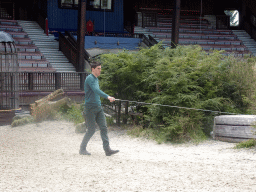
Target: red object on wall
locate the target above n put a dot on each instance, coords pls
(89, 26)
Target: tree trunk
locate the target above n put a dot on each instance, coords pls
(44, 108)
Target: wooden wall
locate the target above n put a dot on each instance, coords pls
(66, 19)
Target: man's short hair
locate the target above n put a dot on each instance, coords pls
(95, 64)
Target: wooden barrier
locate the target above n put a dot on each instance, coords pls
(6, 117)
(234, 128)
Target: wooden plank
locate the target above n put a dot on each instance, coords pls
(235, 120)
(230, 139)
(246, 132)
(6, 117)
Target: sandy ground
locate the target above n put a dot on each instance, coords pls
(44, 157)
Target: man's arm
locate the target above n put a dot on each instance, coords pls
(111, 99)
(96, 89)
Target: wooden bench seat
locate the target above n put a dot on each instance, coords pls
(8, 22)
(34, 63)
(208, 36)
(189, 41)
(224, 47)
(184, 22)
(189, 30)
(14, 28)
(185, 25)
(36, 69)
(22, 41)
(208, 31)
(20, 34)
(218, 47)
(210, 42)
(196, 36)
(189, 20)
(26, 48)
(236, 53)
(30, 55)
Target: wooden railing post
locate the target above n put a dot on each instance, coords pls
(118, 112)
(57, 81)
(46, 27)
(30, 81)
(82, 79)
(126, 104)
(142, 20)
(48, 81)
(13, 11)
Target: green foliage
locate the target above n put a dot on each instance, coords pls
(19, 121)
(110, 121)
(139, 131)
(186, 77)
(123, 73)
(73, 113)
(246, 144)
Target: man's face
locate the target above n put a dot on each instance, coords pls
(96, 71)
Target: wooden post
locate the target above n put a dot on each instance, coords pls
(175, 24)
(46, 27)
(57, 81)
(118, 112)
(30, 81)
(125, 112)
(82, 79)
(81, 29)
(13, 11)
(142, 20)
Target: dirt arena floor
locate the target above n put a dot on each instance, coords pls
(44, 157)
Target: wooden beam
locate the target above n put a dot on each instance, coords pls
(81, 29)
(175, 24)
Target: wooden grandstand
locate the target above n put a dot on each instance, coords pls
(29, 57)
(193, 30)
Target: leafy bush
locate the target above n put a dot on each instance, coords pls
(186, 77)
(246, 144)
(73, 113)
(109, 120)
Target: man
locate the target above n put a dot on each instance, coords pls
(93, 111)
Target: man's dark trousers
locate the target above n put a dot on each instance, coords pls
(93, 115)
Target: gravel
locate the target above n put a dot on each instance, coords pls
(44, 157)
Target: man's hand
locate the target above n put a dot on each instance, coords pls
(111, 99)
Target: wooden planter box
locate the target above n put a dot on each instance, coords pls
(6, 117)
(234, 128)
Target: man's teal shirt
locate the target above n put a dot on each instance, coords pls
(93, 92)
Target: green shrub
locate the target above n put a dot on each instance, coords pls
(73, 113)
(187, 77)
(110, 121)
(246, 144)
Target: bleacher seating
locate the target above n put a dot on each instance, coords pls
(29, 56)
(195, 30)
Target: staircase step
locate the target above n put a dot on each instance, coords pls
(62, 60)
(61, 65)
(30, 55)
(47, 46)
(33, 63)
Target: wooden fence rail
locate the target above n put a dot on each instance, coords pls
(50, 81)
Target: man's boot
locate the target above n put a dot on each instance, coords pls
(109, 151)
(84, 152)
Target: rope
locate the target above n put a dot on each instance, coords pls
(173, 106)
